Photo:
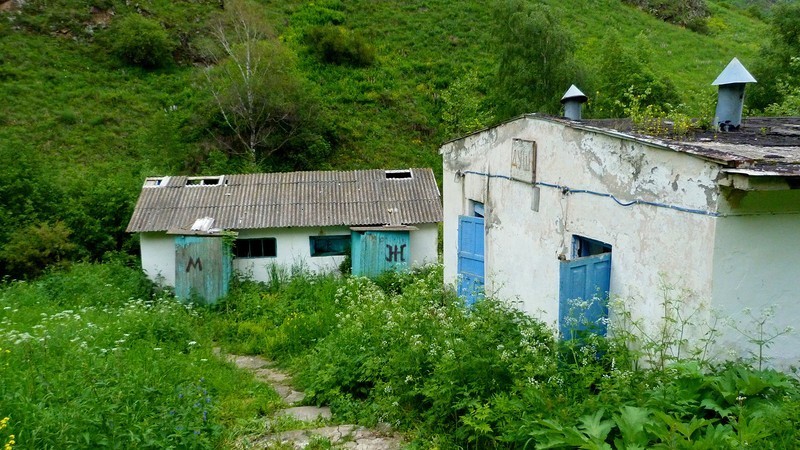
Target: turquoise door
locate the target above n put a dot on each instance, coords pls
(583, 296)
(470, 258)
(375, 252)
(202, 268)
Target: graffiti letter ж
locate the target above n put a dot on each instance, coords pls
(393, 252)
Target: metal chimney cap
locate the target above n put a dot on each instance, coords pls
(734, 73)
(573, 93)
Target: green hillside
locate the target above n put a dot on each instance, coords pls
(81, 126)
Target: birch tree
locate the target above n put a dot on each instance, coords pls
(254, 83)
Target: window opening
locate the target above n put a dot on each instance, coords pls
(582, 246)
(476, 209)
(255, 248)
(155, 181)
(204, 181)
(329, 245)
(398, 174)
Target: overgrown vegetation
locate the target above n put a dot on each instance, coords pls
(93, 357)
(777, 69)
(404, 350)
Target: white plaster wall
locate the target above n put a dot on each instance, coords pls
(424, 244)
(522, 245)
(293, 250)
(755, 267)
(158, 257)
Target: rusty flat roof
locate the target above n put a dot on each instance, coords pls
(294, 199)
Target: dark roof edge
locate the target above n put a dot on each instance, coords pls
(703, 153)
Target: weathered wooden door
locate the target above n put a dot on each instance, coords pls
(583, 296)
(202, 268)
(470, 258)
(375, 252)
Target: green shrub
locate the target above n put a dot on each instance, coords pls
(691, 14)
(338, 45)
(34, 248)
(142, 42)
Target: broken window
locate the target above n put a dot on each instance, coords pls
(582, 246)
(329, 245)
(255, 248)
(476, 209)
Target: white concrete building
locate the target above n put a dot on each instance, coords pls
(541, 210)
(286, 219)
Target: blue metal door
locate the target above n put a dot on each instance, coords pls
(470, 258)
(375, 252)
(202, 268)
(583, 297)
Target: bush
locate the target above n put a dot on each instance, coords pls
(35, 247)
(691, 14)
(338, 45)
(142, 42)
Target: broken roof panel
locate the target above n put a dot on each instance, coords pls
(295, 199)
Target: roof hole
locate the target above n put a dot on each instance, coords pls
(155, 181)
(398, 174)
(204, 181)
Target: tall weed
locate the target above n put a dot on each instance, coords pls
(93, 357)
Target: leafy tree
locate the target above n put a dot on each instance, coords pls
(142, 42)
(27, 193)
(777, 76)
(624, 71)
(536, 60)
(35, 247)
(463, 109)
(261, 98)
(789, 90)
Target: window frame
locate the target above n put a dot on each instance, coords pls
(264, 244)
(346, 238)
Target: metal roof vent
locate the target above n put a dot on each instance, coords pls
(572, 101)
(730, 99)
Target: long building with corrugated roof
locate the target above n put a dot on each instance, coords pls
(309, 219)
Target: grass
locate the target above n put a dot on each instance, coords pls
(93, 358)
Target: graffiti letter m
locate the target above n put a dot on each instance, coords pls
(194, 263)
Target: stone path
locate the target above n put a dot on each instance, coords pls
(341, 436)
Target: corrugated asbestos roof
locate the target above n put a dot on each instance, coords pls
(294, 199)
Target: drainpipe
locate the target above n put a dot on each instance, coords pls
(572, 101)
(730, 99)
